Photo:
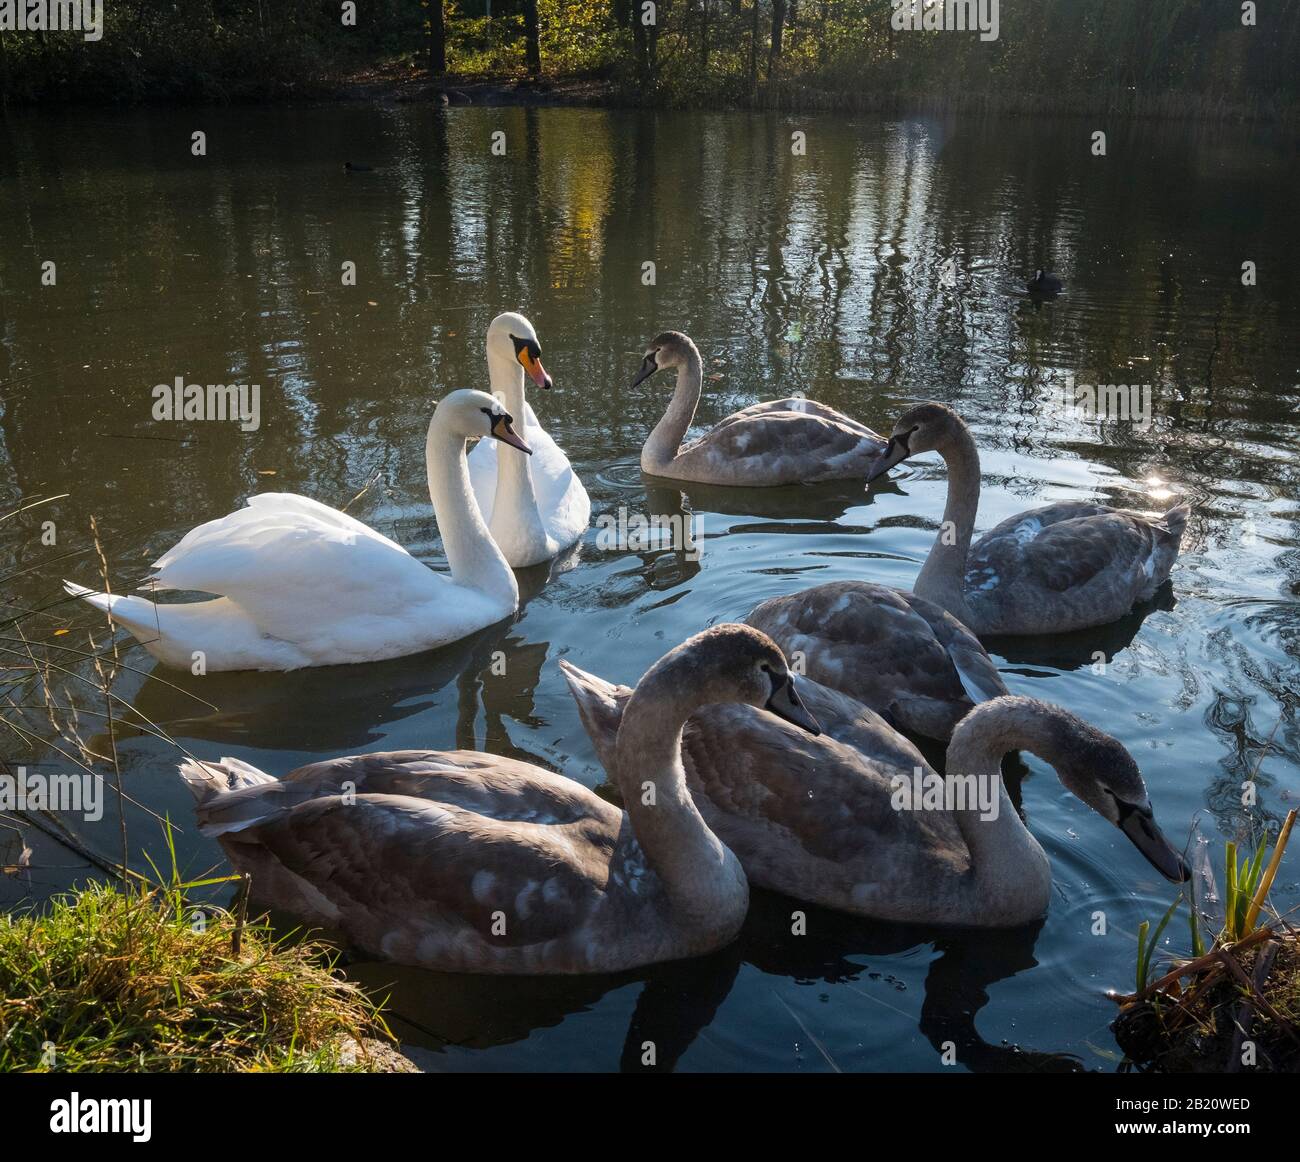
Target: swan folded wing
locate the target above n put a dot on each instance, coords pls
(494, 786)
(867, 640)
(830, 798)
(391, 856)
(807, 407)
(1062, 547)
(797, 442)
(196, 557)
(975, 670)
(303, 576)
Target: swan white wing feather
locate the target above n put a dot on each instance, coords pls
(562, 501)
(306, 573)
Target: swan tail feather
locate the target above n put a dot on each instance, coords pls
(135, 614)
(600, 706)
(1175, 520)
(213, 785)
(208, 779)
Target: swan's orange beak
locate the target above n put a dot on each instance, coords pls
(503, 431)
(536, 372)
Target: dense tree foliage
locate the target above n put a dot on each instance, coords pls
(1178, 56)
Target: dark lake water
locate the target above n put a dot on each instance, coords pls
(884, 267)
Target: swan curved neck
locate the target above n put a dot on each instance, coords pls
(662, 445)
(1012, 872)
(699, 872)
(515, 499)
(942, 577)
(472, 554)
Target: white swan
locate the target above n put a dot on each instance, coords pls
(782, 441)
(301, 584)
(477, 863)
(822, 818)
(537, 507)
(1053, 569)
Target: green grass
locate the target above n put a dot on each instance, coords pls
(1146, 948)
(1198, 1016)
(107, 979)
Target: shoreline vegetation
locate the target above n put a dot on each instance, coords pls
(1181, 60)
(136, 979)
(1231, 1007)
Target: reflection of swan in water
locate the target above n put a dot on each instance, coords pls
(664, 534)
(319, 709)
(679, 1000)
(1082, 647)
(955, 989)
(809, 505)
(682, 512)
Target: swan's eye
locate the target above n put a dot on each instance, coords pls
(526, 350)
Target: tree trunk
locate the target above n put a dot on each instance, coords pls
(753, 49)
(778, 26)
(437, 39)
(652, 42)
(641, 50)
(704, 35)
(532, 38)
